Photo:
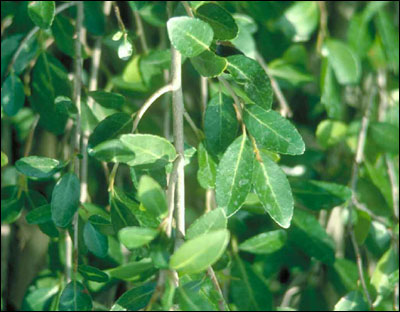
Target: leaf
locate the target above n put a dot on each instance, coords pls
(234, 175)
(111, 128)
(39, 167)
(136, 298)
(74, 297)
(251, 76)
(191, 298)
(63, 33)
(220, 123)
(281, 69)
(208, 64)
(94, 20)
(149, 150)
(65, 200)
(308, 235)
(108, 99)
(249, 292)
(265, 243)
(135, 237)
(39, 215)
(390, 39)
(96, 242)
(4, 160)
(197, 254)
(42, 13)
(353, 301)
(131, 271)
(190, 36)
(331, 132)
(93, 274)
(362, 227)
(273, 190)
(207, 168)
(211, 221)
(152, 197)
(273, 132)
(317, 195)
(385, 136)
(12, 203)
(300, 20)
(221, 21)
(345, 62)
(12, 95)
(112, 151)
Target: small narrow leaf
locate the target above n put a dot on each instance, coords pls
(108, 99)
(221, 21)
(220, 123)
(135, 237)
(208, 64)
(385, 136)
(190, 36)
(38, 167)
(265, 243)
(74, 297)
(65, 200)
(137, 298)
(112, 151)
(273, 190)
(42, 13)
(149, 150)
(212, 221)
(272, 131)
(207, 168)
(234, 176)
(93, 274)
(252, 77)
(12, 95)
(152, 197)
(96, 242)
(132, 271)
(198, 254)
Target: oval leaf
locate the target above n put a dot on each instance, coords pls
(207, 168)
(212, 221)
(208, 64)
(152, 197)
(234, 176)
(96, 242)
(353, 301)
(75, 297)
(190, 36)
(38, 167)
(135, 237)
(12, 95)
(4, 160)
(42, 13)
(108, 99)
(93, 274)
(265, 243)
(137, 298)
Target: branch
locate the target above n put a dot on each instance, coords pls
(188, 9)
(140, 32)
(285, 108)
(323, 28)
(33, 32)
(213, 277)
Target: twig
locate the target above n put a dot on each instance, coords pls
(119, 18)
(323, 28)
(354, 180)
(193, 126)
(33, 32)
(28, 144)
(236, 100)
(213, 277)
(204, 94)
(188, 9)
(285, 109)
(395, 187)
(140, 31)
(178, 112)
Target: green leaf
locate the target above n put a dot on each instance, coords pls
(96, 242)
(136, 298)
(345, 62)
(12, 95)
(112, 151)
(234, 176)
(273, 190)
(63, 33)
(75, 298)
(273, 132)
(221, 21)
(385, 136)
(331, 132)
(308, 235)
(149, 150)
(39, 215)
(65, 200)
(39, 167)
(12, 203)
(281, 69)
(152, 197)
(265, 243)
(353, 301)
(207, 168)
(93, 274)
(135, 237)
(191, 298)
(248, 74)
(362, 227)
(390, 38)
(4, 160)
(317, 195)
(190, 36)
(300, 20)
(94, 20)
(211, 221)
(208, 64)
(111, 128)
(42, 13)
(249, 292)
(197, 254)
(131, 271)
(108, 99)
(220, 123)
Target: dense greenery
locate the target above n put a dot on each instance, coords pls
(199, 155)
